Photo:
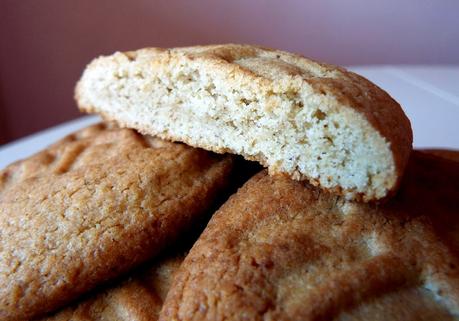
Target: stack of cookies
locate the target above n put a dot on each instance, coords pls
(139, 217)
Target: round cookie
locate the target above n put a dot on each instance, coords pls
(92, 206)
(284, 250)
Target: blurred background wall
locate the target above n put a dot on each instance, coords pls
(45, 44)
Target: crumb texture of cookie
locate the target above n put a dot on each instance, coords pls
(284, 250)
(311, 120)
(92, 206)
(138, 298)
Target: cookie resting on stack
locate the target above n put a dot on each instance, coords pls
(346, 223)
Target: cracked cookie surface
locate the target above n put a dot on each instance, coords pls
(92, 206)
(139, 297)
(284, 250)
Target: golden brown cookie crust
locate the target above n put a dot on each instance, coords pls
(445, 153)
(284, 250)
(140, 297)
(91, 207)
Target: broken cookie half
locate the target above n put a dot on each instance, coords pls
(309, 120)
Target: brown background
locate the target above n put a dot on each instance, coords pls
(45, 44)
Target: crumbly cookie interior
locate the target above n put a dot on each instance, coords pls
(281, 122)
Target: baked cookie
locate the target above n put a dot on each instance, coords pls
(140, 297)
(284, 250)
(91, 207)
(445, 153)
(310, 120)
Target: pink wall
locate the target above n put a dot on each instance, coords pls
(45, 44)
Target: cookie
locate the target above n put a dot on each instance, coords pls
(310, 120)
(140, 297)
(445, 153)
(93, 206)
(284, 250)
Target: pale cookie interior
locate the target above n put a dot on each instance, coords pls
(263, 110)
